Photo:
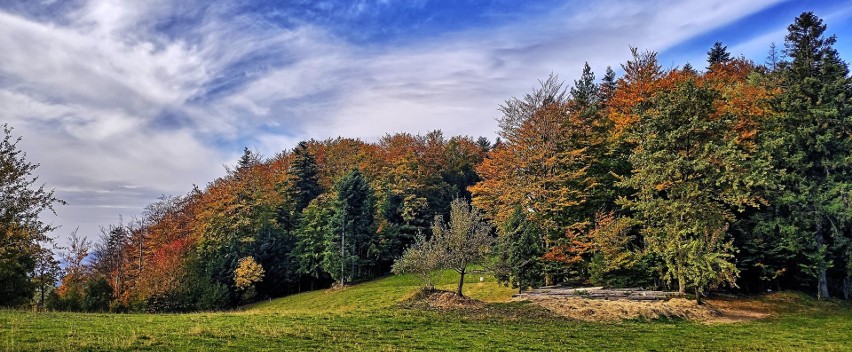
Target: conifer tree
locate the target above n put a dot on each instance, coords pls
(814, 134)
(717, 55)
(350, 239)
(302, 178)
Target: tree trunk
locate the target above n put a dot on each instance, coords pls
(822, 284)
(461, 282)
(681, 284)
(41, 301)
(846, 284)
(698, 296)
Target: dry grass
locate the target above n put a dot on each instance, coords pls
(714, 311)
(613, 311)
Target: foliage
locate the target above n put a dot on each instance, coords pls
(465, 240)
(717, 55)
(97, 295)
(350, 244)
(689, 174)
(422, 259)
(519, 251)
(246, 275)
(46, 273)
(811, 207)
(22, 232)
(658, 177)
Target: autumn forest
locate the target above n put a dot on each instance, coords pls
(735, 177)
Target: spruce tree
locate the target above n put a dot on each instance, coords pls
(718, 54)
(814, 135)
(350, 240)
(302, 178)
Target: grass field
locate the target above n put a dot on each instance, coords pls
(369, 317)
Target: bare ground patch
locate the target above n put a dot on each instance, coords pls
(441, 300)
(713, 311)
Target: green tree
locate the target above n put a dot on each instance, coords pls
(815, 150)
(45, 273)
(22, 201)
(315, 225)
(97, 295)
(519, 253)
(302, 178)
(348, 244)
(465, 240)
(717, 55)
(690, 177)
(423, 258)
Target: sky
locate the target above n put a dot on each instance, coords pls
(122, 101)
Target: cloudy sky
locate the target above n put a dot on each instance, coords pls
(121, 101)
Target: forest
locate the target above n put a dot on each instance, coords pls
(735, 177)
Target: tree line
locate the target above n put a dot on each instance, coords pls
(736, 176)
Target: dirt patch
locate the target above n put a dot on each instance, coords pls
(617, 310)
(734, 309)
(442, 300)
(713, 311)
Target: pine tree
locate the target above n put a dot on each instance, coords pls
(585, 91)
(348, 244)
(302, 178)
(717, 55)
(314, 227)
(607, 86)
(814, 134)
(519, 253)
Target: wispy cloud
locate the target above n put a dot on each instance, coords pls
(120, 101)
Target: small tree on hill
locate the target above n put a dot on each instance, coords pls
(465, 240)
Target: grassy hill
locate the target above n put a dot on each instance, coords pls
(368, 317)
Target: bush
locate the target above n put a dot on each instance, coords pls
(641, 274)
(98, 295)
(423, 258)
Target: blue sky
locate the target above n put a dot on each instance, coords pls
(121, 101)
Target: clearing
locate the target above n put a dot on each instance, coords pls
(372, 316)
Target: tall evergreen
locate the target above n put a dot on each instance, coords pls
(302, 178)
(816, 149)
(607, 86)
(718, 54)
(585, 91)
(350, 244)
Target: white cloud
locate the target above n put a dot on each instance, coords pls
(117, 112)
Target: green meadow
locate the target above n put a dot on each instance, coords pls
(371, 316)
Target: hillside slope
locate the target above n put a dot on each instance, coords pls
(379, 294)
(367, 317)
